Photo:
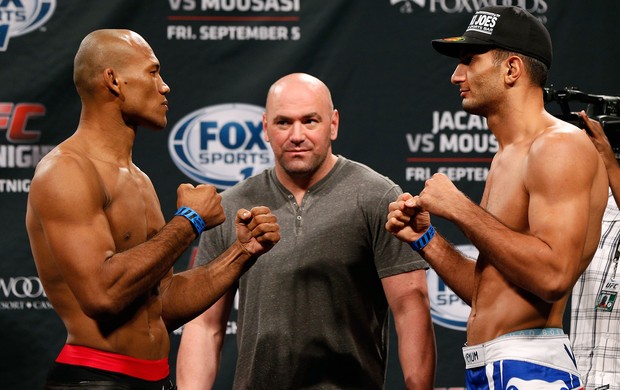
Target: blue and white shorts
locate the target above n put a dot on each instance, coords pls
(533, 359)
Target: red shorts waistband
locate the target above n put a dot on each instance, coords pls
(150, 370)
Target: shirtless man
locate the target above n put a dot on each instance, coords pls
(102, 248)
(539, 221)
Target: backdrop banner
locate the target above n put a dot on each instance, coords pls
(399, 114)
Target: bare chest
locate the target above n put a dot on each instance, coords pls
(132, 207)
(505, 194)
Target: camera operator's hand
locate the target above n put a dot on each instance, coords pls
(600, 140)
(596, 133)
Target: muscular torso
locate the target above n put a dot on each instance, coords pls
(499, 306)
(130, 206)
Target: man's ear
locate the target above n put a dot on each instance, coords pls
(333, 134)
(514, 69)
(265, 135)
(111, 81)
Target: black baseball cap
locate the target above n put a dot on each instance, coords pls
(510, 28)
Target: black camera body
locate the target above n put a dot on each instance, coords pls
(603, 108)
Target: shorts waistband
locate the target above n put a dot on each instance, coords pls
(530, 344)
(535, 332)
(150, 370)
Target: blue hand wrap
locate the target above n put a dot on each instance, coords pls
(421, 242)
(194, 218)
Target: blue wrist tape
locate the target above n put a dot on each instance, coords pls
(421, 242)
(194, 218)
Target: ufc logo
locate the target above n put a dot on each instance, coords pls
(14, 119)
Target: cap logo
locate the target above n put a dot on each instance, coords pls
(483, 22)
(454, 39)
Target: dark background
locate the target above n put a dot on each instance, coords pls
(376, 57)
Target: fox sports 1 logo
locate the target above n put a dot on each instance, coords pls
(221, 144)
(19, 17)
(447, 309)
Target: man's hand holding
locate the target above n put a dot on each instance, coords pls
(595, 131)
(204, 200)
(257, 230)
(406, 220)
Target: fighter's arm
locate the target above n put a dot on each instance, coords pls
(546, 260)
(408, 222)
(199, 355)
(407, 295)
(601, 142)
(560, 177)
(68, 202)
(189, 293)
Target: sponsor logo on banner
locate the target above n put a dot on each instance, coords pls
(447, 309)
(221, 145)
(454, 138)
(234, 20)
(22, 149)
(19, 17)
(537, 8)
(23, 293)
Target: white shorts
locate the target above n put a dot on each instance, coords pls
(536, 359)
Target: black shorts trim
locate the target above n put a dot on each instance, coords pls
(66, 376)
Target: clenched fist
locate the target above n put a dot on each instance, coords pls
(257, 230)
(204, 200)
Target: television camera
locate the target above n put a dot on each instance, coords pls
(603, 108)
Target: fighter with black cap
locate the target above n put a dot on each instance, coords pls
(538, 223)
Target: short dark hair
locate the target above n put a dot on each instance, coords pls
(535, 68)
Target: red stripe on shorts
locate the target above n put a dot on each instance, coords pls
(150, 370)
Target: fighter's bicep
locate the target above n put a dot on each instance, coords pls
(558, 180)
(70, 211)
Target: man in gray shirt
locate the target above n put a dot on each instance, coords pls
(316, 314)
